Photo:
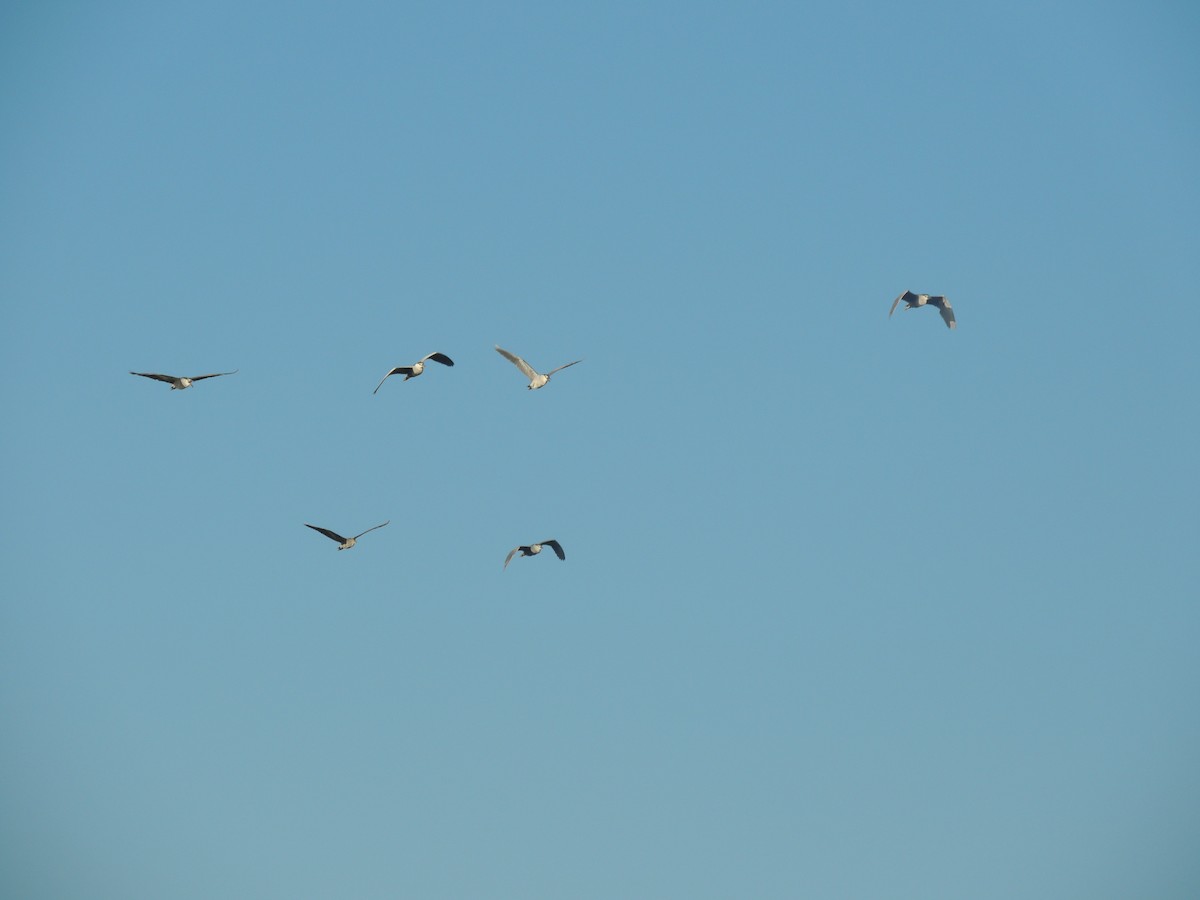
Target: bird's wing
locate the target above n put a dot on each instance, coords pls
(357, 536)
(168, 378)
(560, 368)
(440, 357)
(213, 375)
(557, 547)
(399, 370)
(332, 535)
(905, 296)
(518, 362)
(511, 554)
(943, 306)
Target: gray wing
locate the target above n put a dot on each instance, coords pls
(399, 370)
(332, 535)
(439, 357)
(518, 362)
(557, 547)
(560, 368)
(170, 379)
(511, 554)
(213, 375)
(906, 296)
(360, 534)
(943, 306)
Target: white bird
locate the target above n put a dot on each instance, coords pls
(415, 369)
(536, 380)
(534, 550)
(912, 301)
(178, 382)
(344, 543)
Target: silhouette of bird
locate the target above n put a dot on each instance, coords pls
(415, 369)
(180, 383)
(536, 380)
(344, 543)
(534, 550)
(912, 301)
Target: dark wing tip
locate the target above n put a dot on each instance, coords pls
(332, 535)
(557, 548)
(442, 358)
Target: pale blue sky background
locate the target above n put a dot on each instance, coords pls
(853, 607)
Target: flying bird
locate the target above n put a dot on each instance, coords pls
(415, 369)
(914, 300)
(178, 382)
(534, 550)
(344, 543)
(536, 379)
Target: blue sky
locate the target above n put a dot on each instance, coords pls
(852, 606)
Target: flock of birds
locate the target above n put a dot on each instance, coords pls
(536, 380)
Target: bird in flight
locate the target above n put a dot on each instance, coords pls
(344, 543)
(178, 382)
(536, 379)
(415, 369)
(914, 300)
(534, 550)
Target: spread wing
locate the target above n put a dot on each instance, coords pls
(560, 368)
(518, 362)
(399, 370)
(357, 536)
(556, 547)
(170, 379)
(511, 553)
(213, 375)
(943, 306)
(906, 296)
(332, 535)
(439, 357)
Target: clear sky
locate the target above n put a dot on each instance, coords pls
(853, 607)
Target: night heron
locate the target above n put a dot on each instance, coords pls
(178, 382)
(415, 369)
(344, 543)
(914, 300)
(534, 550)
(536, 379)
